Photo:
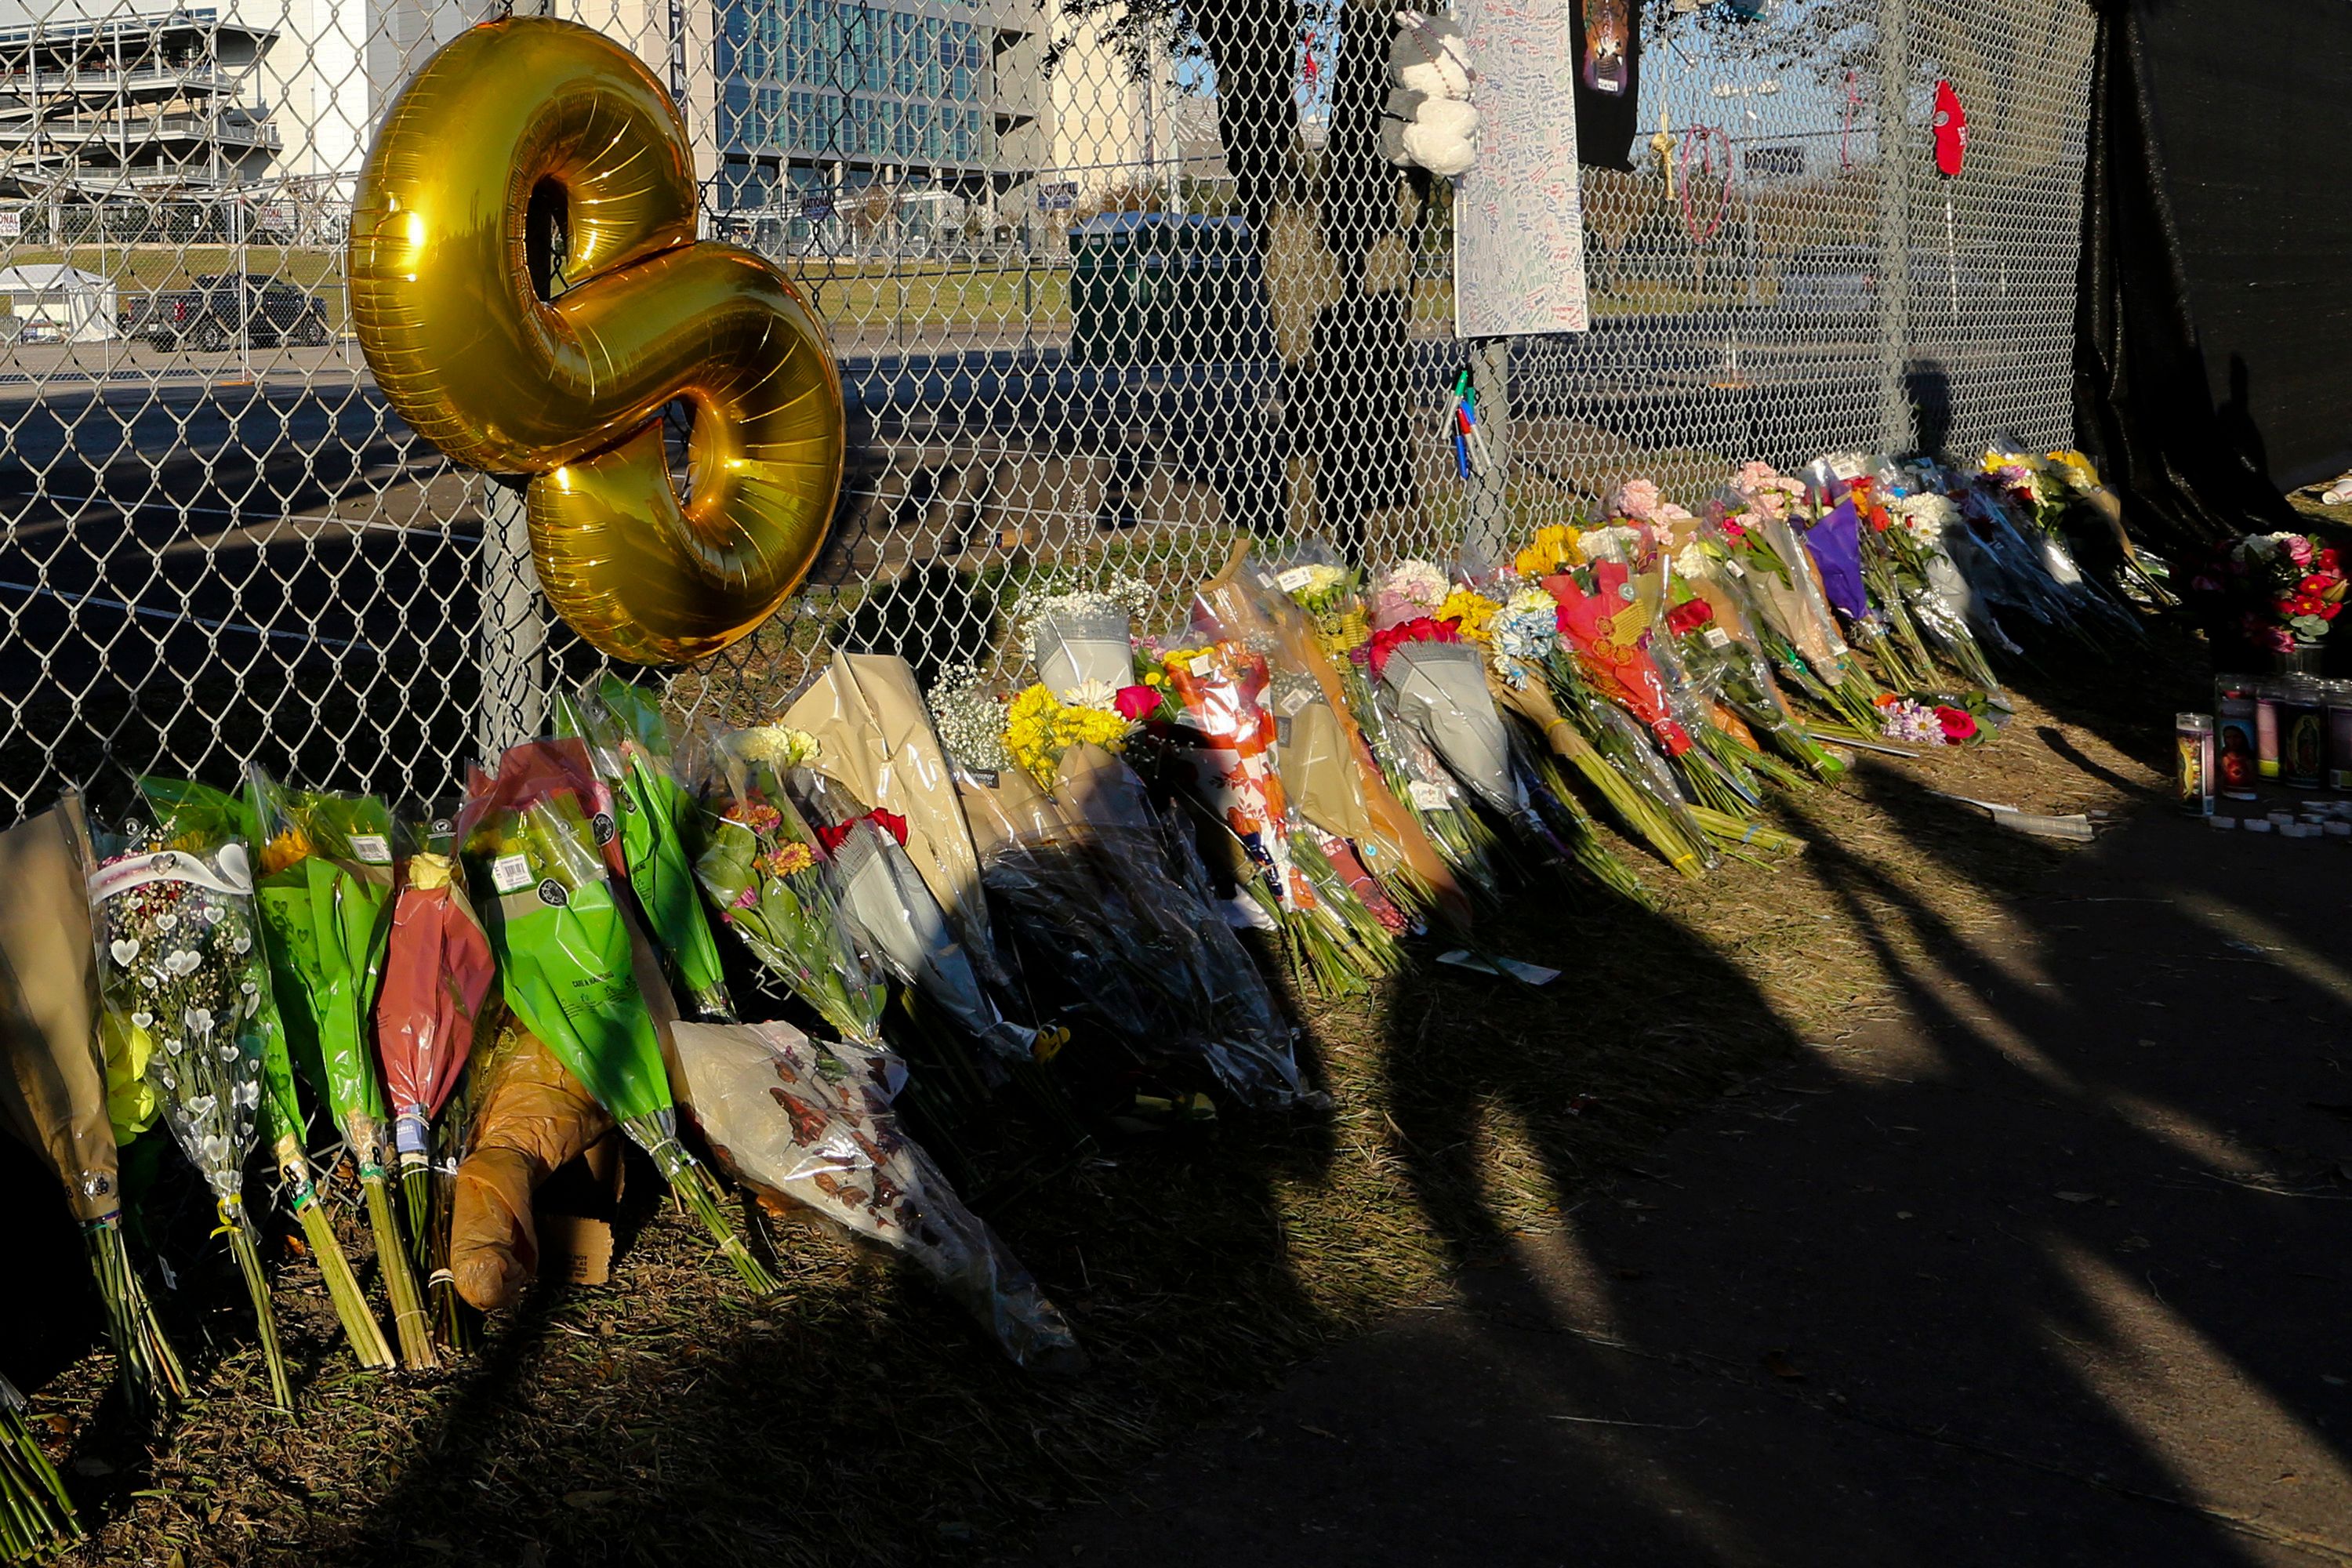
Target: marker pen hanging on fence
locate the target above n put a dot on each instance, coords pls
(1465, 423)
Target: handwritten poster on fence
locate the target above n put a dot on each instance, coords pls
(1518, 229)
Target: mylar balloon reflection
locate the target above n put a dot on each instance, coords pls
(570, 389)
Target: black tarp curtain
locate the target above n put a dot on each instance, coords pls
(2213, 343)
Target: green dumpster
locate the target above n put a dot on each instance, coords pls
(1157, 288)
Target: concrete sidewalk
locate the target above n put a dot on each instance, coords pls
(2054, 1264)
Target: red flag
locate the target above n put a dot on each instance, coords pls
(1951, 129)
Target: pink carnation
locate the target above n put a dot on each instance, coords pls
(1636, 499)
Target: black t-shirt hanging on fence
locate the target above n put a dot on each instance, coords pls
(1608, 80)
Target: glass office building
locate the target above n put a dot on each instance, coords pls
(836, 94)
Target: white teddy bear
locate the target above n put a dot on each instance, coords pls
(1429, 120)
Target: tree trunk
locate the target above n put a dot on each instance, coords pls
(1332, 229)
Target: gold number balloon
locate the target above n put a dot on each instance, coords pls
(570, 389)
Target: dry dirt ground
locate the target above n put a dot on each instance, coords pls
(1495, 1154)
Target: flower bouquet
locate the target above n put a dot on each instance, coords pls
(180, 969)
(892, 915)
(1715, 679)
(1437, 683)
(1606, 611)
(2278, 592)
(1078, 638)
(1719, 647)
(436, 999)
(54, 1082)
(1911, 721)
(1539, 676)
(760, 861)
(1224, 736)
(283, 1129)
(565, 960)
(2060, 494)
(324, 892)
(36, 1515)
(1764, 567)
(875, 740)
(809, 1129)
(1247, 603)
(1122, 942)
(1933, 589)
(2038, 500)
(629, 742)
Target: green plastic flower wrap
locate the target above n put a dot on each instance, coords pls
(628, 743)
(180, 962)
(562, 942)
(324, 889)
(55, 1090)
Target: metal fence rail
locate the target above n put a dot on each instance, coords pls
(219, 542)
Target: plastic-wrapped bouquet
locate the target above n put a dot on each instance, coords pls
(438, 995)
(809, 1129)
(1076, 636)
(325, 893)
(759, 861)
(52, 1081)
(629, 742)
(181, 967)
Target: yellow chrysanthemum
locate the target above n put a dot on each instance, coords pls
(1554, 549)
(1039, 727)
(1342, 633)
(1472, 612)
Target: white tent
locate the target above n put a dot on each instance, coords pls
(70, 304)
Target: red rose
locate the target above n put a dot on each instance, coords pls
(1688, 617)
(891, 822)
(1136, 703)
(1958, 723)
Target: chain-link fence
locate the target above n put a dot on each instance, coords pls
(1109, 296)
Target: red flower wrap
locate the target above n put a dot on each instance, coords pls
(1610, 633)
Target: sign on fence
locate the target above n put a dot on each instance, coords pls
(12, 223)
(1056, 195)
(1519, 228)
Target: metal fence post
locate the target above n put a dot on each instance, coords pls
(513, 639)
(1487, 530)
(1896, 430)
(514, 629)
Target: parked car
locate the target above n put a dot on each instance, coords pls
(225, 309)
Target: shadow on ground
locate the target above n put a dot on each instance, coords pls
(2044, 1263)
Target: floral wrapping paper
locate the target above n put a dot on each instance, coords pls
(1228, 739)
